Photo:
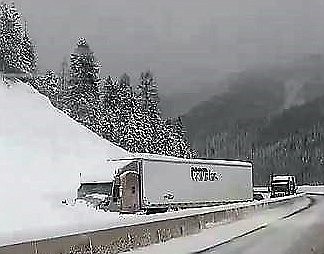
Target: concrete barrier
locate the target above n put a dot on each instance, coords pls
(120, 239)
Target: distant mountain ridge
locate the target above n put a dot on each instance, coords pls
(261, 110)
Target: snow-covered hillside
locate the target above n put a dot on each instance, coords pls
(42, 153)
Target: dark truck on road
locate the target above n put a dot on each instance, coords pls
(282, 185)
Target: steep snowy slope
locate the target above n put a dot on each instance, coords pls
(42, 153)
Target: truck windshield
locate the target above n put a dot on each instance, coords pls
(280, 187)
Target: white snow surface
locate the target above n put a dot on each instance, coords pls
(310, 189)
(42, 153)
(281, 178)
(219, 233)
(319, 189)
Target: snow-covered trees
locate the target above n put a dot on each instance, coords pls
(109, 110)
(84, 69)
(49, 83)
(148, 94)
(28, 54)
(126, 115)
(83, 91)
(17, 51)
(167, 137)
(10, 36)
(122, 119)
(173, 139)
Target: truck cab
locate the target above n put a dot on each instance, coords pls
(282, 185)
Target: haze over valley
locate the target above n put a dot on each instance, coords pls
(189, 46)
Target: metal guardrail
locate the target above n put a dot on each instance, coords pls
(124, 238)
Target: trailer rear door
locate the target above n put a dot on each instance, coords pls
(129, 188)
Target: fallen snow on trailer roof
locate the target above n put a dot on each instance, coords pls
(279, 182)
(281, 178)
(156, 157)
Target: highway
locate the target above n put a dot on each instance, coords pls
(301, 233)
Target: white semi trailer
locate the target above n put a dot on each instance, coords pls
(152, 182)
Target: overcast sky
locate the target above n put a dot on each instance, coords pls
(188, 44)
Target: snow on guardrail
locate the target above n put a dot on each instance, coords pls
(142, 230)
(310, 189)
(319, 189)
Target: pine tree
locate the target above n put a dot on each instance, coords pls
(149, 101)
(136, 135)
(84, 69)
(110, 110)
(52, 82)
(28, 53)
(167, 139)
(148, 94)
(122, 119)
(10, 37)
(126, 117)
(83, 94)
(17, 52)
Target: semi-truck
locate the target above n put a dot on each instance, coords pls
(156, 183)
(282, 185)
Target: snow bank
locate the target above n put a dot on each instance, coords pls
(319, 189)
(42, 153)
(260, 189)
(217, 234)
(312, 189)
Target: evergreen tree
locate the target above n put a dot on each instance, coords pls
(149, 100)
(166, 132)
(148, 94)
(28, 53)
(52, 83)
(122, 118)
(125, 94)
(84, 69)
(110, 109)
(10, 37)
(17, 52)
(136, 134)
(126, 117)
(83, 93)
(181, 144)
(47, 84)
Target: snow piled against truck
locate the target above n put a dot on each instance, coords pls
(42, 153)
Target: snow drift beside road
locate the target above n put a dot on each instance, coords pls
(42, 153)
(319, 189)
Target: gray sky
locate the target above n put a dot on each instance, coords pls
(188, 44)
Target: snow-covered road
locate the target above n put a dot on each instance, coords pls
(302, 233)
(220, 234)
(42, 152)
